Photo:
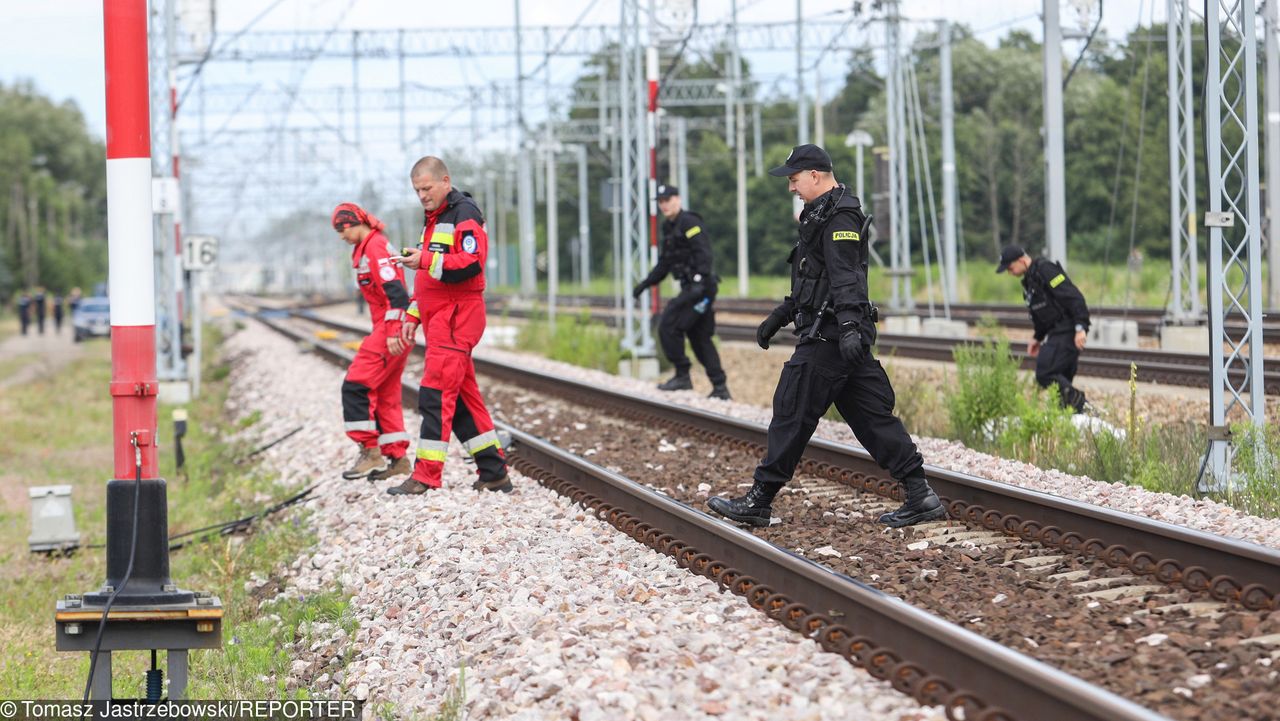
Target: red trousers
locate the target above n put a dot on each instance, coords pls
(449, 397)
(371, 393)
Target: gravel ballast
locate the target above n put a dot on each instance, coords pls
(552, 613)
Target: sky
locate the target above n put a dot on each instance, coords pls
(58, 44)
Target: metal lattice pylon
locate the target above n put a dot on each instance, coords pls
(899, 199)
(1184, 301)
(637, 338)
(1235, 268)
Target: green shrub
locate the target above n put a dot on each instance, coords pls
(1256, 481)
(986, 390)
(575, 339)
(1040, 431)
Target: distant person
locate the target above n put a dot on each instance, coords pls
(24, 311)
(832, 363)
(1061, 319)
(686, 255)
(57, 313)
(37, 303)
(73, 301)
(372, 412)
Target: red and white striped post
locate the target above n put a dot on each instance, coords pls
(651, 116)
(131, 271)
(138, 573)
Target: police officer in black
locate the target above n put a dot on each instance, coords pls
(1060, 317)
(832, 363)
(686, 255)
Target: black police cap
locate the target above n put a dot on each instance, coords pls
(666, 191)
(804, 157)
(1008, 255)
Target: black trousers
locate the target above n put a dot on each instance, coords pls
(680, 319)
(1056, 365)
(818, 376)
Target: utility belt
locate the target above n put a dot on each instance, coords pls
(822, 324)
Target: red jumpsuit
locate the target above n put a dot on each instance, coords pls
(449, 301)
(371, 392)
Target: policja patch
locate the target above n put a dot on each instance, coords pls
(846, 235)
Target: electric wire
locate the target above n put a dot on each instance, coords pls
(128, 573)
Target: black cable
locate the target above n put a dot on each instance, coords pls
(675, 59)
(260, 449)
(1088, 41)
(128, 572)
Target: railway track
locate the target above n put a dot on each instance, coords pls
(1149, 320)
(1168, 367)
(1226, 571)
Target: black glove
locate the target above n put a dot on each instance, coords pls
(851, 345)
(769, 328)
(636, 291)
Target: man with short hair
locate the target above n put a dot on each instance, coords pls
(448, 301)
(1060, 318)
(686, 255)
(371, 392)
(835, 324)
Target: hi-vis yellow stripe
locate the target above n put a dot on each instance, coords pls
(1057, 280)
(846, 235)
(442, 238)
(693, 231)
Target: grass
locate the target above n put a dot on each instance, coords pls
(575, 339)
(991, 408)
(57, 430)
(1101, 284)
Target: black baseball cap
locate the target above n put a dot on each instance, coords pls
(1008, 255)
(804, 157)
(666, 191)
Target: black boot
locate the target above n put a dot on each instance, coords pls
(922, 504)
(753, 509)
(678, 382)
(720, 391)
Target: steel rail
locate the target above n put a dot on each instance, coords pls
(931, 659)
(1228, 569)
(1170, 367)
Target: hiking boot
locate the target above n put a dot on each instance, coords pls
(677, 382)
(410, 487)
(720, 392)
(922, 504)
(401, 466)
(370, 460)
(502, 484)
(753, 509)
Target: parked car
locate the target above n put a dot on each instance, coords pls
(92, 318)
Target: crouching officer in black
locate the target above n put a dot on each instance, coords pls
(686, 255)
(1060, 317)
(832, 363)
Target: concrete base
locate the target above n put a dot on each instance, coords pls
(901, 325)
(175, 392)
(645, 369)
(944, 328)
(1185, 338)
(1113, 333)
(499, 336)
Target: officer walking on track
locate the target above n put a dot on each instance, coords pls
(1061, 319)
(832, 363)
(686, 255)
(371, 393)
(448, 301)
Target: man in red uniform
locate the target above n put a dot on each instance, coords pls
(448, 301)
(371, 408)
